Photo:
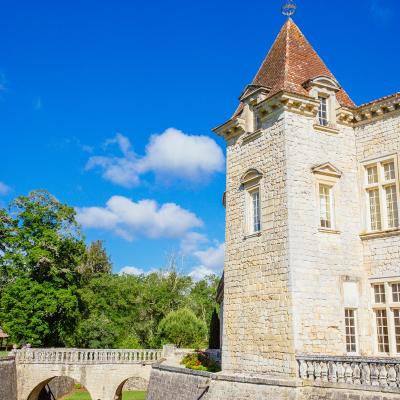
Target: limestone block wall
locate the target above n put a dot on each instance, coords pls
(376, 139)
(258, 334)
(8, 379)
(319, 260)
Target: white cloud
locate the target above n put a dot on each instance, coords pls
(129, 219)
(211, 261)
(191, 242)
(172, 154)
(4, 189)
(131, 271)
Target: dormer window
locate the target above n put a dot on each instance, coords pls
(323, 115)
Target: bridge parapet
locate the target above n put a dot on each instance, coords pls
(87, 356)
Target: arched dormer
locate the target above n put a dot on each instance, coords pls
(324, 89)
(251, 177)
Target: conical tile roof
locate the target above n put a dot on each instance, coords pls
(291, 63)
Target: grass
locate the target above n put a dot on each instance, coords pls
(83, 395)
(3, 353)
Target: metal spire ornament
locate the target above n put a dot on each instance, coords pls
(289, 8)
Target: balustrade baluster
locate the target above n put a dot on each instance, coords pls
(365, 374)
(324, 372)
(310, 370)
(383, 376)
(317, 371)
(340, 372)
(356, 374)
(374, 375)
(348, 374)
(392, 376)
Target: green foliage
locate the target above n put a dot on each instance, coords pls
(183, 329)
(54, 291)
(96, 261)
(38, 313)
(201, 362)
(214, 331)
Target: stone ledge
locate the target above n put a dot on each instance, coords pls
(380, 234)
(366, 388)
(185, 371)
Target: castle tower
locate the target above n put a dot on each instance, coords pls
(299, 219)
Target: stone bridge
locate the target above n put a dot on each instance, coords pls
(102, 372)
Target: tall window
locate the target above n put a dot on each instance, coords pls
(325, 205)
(386, 296)
(382, 195)
(255, 211)
(323, 111)
(350, 324)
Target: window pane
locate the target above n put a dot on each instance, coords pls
(374, 209)
(396, 292)
(372, 173)
(396, 314)
(350, 324)
(379, 291)
(323, 111)
(325, 206)
(382, 331)
(389, 171)
(391, 205)
(256, 211)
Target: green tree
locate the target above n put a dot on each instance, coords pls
(96, 261)
(39, 313)
(42, 239)
(183, 329)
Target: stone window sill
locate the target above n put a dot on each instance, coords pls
(331, 231)
(328, 129)
(380, 234)
(252, 235)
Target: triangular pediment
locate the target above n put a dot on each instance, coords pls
(327, 169)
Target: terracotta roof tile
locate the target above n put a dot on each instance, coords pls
(290, 63)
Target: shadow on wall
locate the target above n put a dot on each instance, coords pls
(54, 388)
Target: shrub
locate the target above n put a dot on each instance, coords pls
(200, 361)
(183, 329)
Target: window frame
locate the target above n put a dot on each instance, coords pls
(326, 97)
(381, 185)
(355, 318)
(390, 307)
(250, 221)
(331, 220)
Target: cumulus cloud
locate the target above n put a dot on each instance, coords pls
(172, 154)
(211, 261)
(4, 189)
(131, 271)
(130, 219)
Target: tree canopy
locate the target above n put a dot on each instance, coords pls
(57, 291)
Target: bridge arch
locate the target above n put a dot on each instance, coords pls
(40, 387)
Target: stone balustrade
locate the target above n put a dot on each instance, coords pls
(383, 372)
(87, 356)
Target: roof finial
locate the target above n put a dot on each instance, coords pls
(289, 8)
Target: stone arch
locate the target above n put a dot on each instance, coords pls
(37, 390)
(141, 372)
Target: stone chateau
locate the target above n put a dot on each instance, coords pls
(312, 267)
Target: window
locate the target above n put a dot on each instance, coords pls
(382, 195)
(255, 214)
(325, 205)
(382, 331)
(396, 314)
(386, 306)
(258, 122)
(350, 325)
(323, 111)
(379, 291)
(396, 292)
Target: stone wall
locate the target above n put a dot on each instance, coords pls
(321, 259)
(170, 383)
(8, 379)
(258, 333)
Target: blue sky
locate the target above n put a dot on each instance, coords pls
(110, 106)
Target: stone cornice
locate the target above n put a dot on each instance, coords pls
(377, 109)
(232, 128)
